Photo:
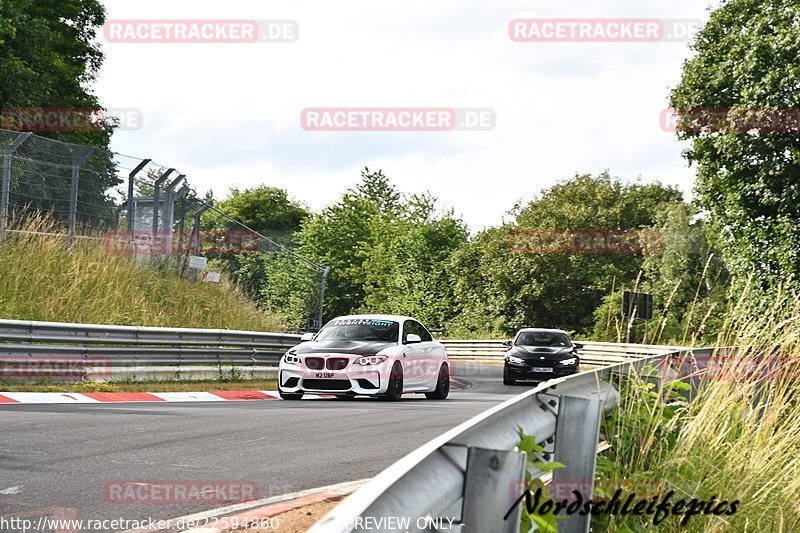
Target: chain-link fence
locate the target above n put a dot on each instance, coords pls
(148, 210)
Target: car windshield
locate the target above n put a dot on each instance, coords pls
(542, 338)
(360, 329)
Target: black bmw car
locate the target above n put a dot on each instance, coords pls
(538, 354)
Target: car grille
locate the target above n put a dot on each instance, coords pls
(315, 363)
(327, 384)
(337, 363)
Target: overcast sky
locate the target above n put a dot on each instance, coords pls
(229, 114)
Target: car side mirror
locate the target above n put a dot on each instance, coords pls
(412, 338)
(507, 343)
(577, 345)
(305, 337)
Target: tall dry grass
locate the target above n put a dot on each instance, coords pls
(43, 279)
(739, 439)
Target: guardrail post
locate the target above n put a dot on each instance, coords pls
(577, 432)
(5, 188)
(490, 488)
(73, 191)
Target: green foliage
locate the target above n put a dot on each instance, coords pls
(271, 277)
(641, 432)
(534, 469)
(388, 253)
(746, 61)
(49, 54)
(265, 209)
(499, 289)
(687, 277)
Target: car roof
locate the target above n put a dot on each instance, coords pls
(542, 330)
(396, 318)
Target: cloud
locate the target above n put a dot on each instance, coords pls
(229, 114)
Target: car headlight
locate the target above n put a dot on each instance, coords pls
(514, 360)
(567, 362)
(373, 360)
(291, 358)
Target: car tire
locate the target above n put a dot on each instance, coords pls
(442, 385)
(507, 380)
(291, 395)
(395, 389)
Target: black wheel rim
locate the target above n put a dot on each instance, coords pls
(396, 384)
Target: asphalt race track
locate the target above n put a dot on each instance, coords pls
(57, 459)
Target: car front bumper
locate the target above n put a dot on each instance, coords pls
(525, 372)
(369, 381)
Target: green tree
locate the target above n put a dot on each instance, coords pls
(264, 275)
(49, 56)
(388, 253)
(745, 69)
(501, 288)
(687, 277)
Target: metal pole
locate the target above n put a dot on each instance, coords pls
(5, 189)
(156, 200)
(196, 231)
(322, 294)
(181, 194)
(73, 192)
(169, 209)
(129, 203)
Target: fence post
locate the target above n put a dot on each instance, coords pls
(196, 231)
(73, 191)
(156, 200)
(322, 295)
(131, 182)
(169, 211)
(5, 188)
(577, 432)
(181, 195)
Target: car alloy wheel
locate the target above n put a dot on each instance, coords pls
(395, 388)
(442, 385)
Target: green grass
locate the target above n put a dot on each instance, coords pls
(41, 279)
(738, 440)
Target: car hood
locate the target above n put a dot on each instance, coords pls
(553, 353)
(345, 347)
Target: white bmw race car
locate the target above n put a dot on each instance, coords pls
(375, 355)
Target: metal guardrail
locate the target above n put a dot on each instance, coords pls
(108, 352)
(469, 477)
(38, 344)
(592, 353)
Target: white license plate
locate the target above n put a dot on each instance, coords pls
(538, 370)
(324, 375)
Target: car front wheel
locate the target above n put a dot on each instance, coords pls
(442, 385)
(395, 388)
(507, 378)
